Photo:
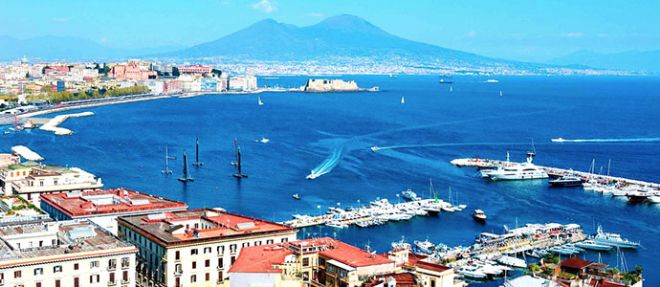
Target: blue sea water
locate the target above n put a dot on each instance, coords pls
(124, 144)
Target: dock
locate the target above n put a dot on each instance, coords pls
(376, 213)
(53, 124)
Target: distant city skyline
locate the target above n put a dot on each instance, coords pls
(518, 30)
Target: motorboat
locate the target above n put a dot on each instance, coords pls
(263, 140)
(296, 196)
(479, 216)
(472, 272)
(375, 148)
(425, 246)
(566, 181)
(512, 261)
(410, 195)
(558, 140)
(337, 224)
(592, 245)
(654, 199)
(613, 239)
(518, 171)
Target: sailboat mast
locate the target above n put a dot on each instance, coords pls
(609, 162)
(185, 165)
(197, 150)
(238, 160)
(167, 160)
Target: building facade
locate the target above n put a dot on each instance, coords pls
(64, 254)
(195, 247)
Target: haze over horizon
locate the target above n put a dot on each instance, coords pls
(514, 30)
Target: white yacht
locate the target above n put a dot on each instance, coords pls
(518, 171)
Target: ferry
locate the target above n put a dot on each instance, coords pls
(518, 171)
(566, 181)
(613, 239)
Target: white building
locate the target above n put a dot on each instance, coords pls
(30, 180)
(195, 247)
(64, 254)
(243, 83)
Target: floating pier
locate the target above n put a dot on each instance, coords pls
(53, 124)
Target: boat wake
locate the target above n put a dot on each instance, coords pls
(620, 140)
(328, 164)
(379, 148)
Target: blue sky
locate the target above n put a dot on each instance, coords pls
(514, 29)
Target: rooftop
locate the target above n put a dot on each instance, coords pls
(199, 224)
(110, 201)
(61, 240)
(265, 258)
(575, 262)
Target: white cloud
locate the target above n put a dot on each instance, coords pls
(266, 6)
(573, 35)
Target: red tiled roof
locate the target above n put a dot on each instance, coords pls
(432, 266)
(402, 280)
(121, 201)
(260, 259)
(575, 262)
(352, 256)
(605, 283)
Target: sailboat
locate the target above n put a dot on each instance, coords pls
(451, 89)
(239, 173)
(259, 102)
(501, 93)
(185, 177)
(167, 170)
(197, 163)
(403, 100)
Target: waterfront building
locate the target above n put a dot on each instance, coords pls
(31, 179)
(325, 85)
(14, 210)
(330, 262)
(58, 254)
(242, 83)
(194, 247)
(209, 85)
(7, 159)
(104, 206)
(132, 70)
(194, 69)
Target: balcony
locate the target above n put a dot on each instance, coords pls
(112, 283)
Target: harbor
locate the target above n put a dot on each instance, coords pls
(378, 212)
(636, 191)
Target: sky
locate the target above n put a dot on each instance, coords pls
(525, 30)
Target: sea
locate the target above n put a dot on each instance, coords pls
(331, 133)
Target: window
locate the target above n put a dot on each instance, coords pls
(207, 250)
(305, 261)
(221, 250)
(207, 277)
(57, 283)
(285, 239)
(232, 248)
(194, 264)
(193, 278)
(38, 284)
(270, 241)
(125, 262)
(207, 263)
(38, 271)
(257, 243)
(221, 263)
(177, 282)
(76, 282)
(112, 264)
(124, 276)
(246, 244)
(17, 274)
(75, 266)
(233, 258)
(177, 255)
(193, 251)
(93, 264)
(95, 278)
(57, 269)
(112, 277)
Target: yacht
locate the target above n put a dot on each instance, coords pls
(566, 181)
(592, 245)
(613, 239)
(512, 261)
(425, 246)
(479, 216)
(518, 171)
(472, 272)
(654, 199)
(410, 195)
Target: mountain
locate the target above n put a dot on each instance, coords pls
(338, 36)
(68, 48)
(643, 61)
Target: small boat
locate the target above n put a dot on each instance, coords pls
(592, 245)
(558, 140)
(479, 216)
(443, 81)
(566, 181)
(492, 81)
(501, 94)
(637, 197)
(259, 102)
(375, 148)
(29, 125)
(512, 261)
(166, 170)
(403, 100)
(337, 224)
(424, 246)
(410, 195)
(451, 89)
(263, 140)
(312, 175)
(472, 272)
(296, 196)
